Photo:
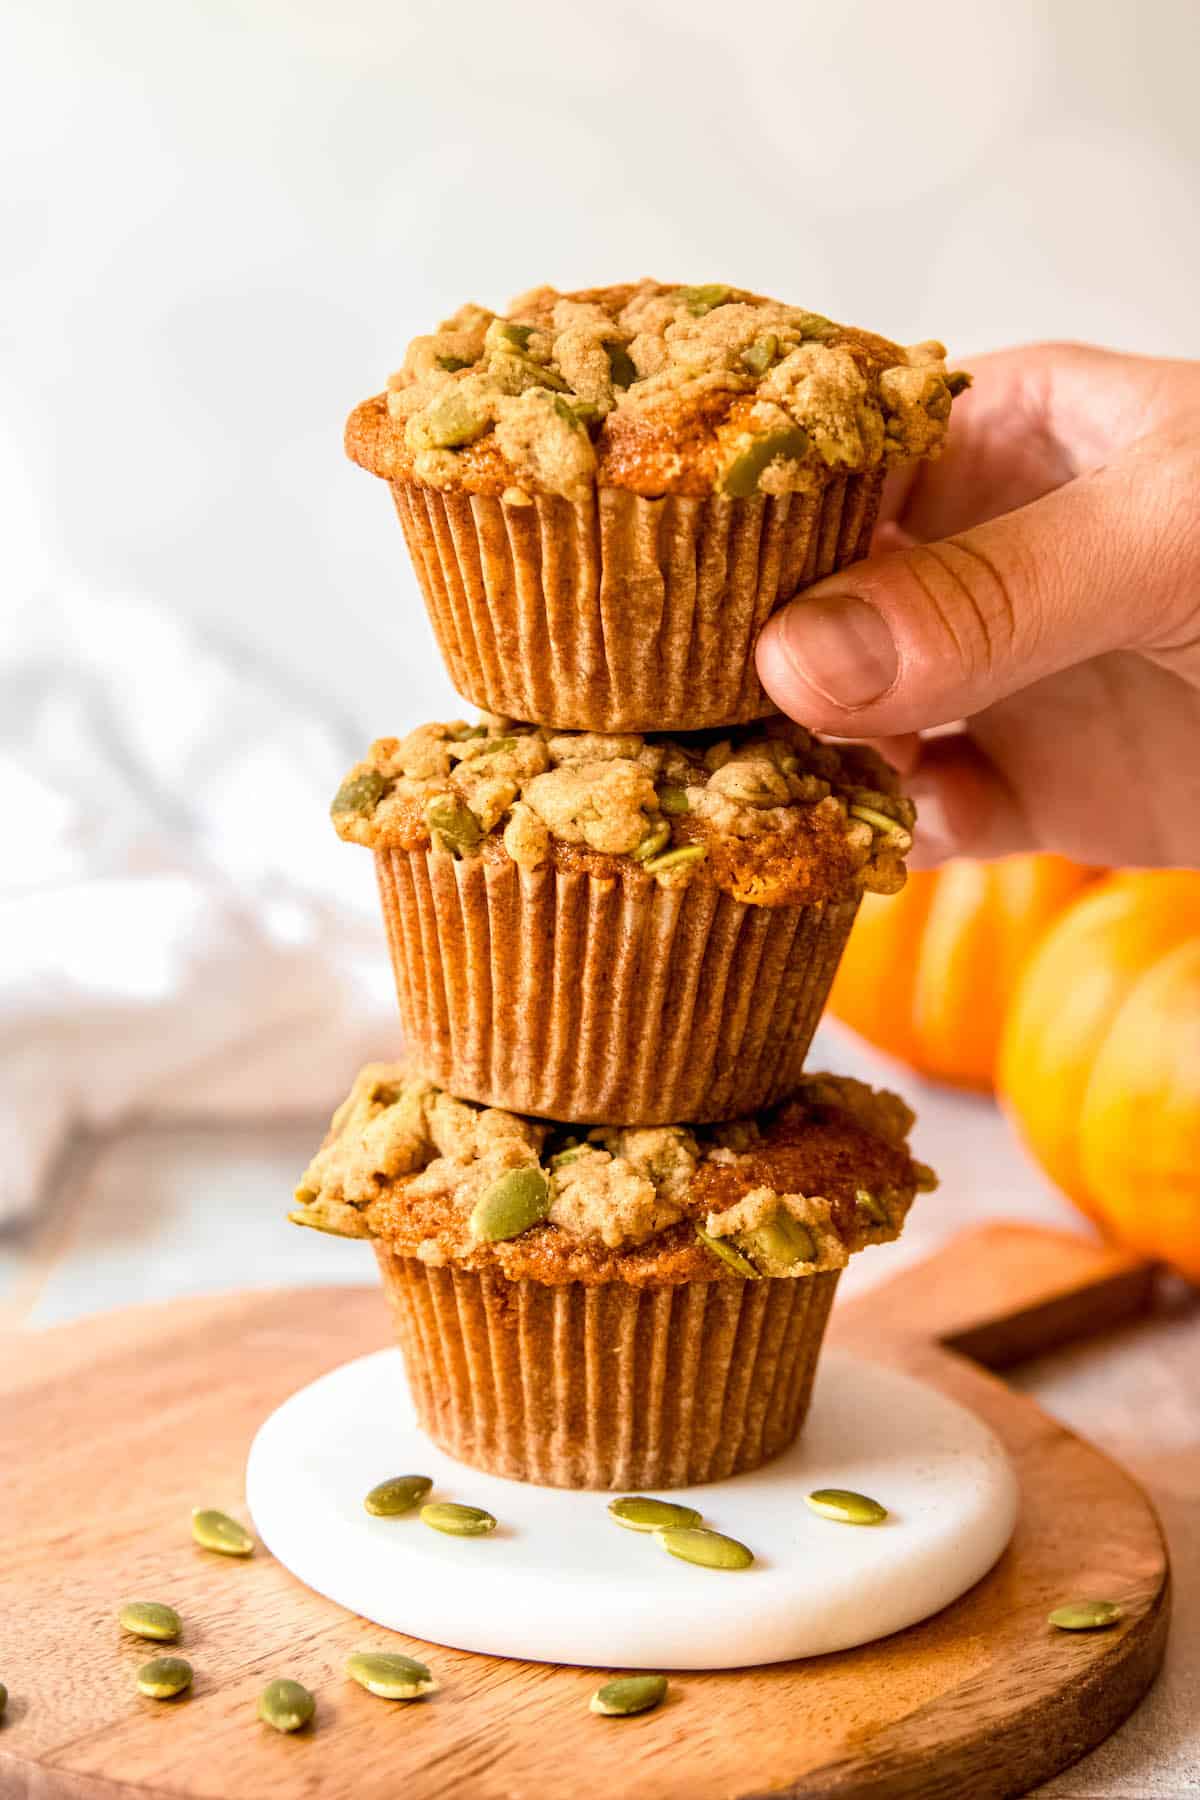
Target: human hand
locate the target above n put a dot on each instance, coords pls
(1041, 584)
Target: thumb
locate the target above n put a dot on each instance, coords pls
(938, 632)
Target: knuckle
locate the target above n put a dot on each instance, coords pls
(972, 594)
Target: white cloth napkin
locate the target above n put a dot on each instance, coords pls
(181, 933)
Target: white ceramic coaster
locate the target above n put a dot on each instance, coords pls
(560, 1582)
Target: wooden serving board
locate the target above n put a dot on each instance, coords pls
(114, 1428)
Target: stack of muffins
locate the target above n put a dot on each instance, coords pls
(609, 1206)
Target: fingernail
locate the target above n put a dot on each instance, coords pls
(840, 646)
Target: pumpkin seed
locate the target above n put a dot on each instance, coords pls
(707, 1549)
(453, 827)
(150, 1619)
(728, 1254)
(639, 1512)
(566, 413)
(572, 1153)
(456, 1520)
(164, 1677)
(399, 1494)
(517, 335)
(815, 325)
(516, 373)
(657, 838)
(701, 300)
(868, 1203)
(452, 364)
(217, 1531)
(389, 1675)
(628, 1694)
(676, 859)
(451, 421)
(492, 746)
(781, 1239)
(847, 1507)
(510, 1206)
(1086, 1615)
(673, 799)
(334, 1217)
(286, 1705)
(741, 477)
(759, 356)
(462, 734)
(878, 821)
(622, 369)
(358, 793)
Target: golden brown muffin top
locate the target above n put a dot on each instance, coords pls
(651, 387)
(794, 1192)
(767, 812)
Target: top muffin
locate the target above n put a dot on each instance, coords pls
(653, 388)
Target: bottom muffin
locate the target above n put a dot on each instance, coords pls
(619, 1307)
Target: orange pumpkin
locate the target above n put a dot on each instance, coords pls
(1100, 1062)
(928, 972)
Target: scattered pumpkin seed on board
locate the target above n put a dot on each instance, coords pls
(847, 1507)
(457, 1520)
(399, 1494)
(150, 1619)
(390, 1675)
(1085, 1615)
(639, 1512)
(628, 1694)
(164, 1677)
(707, 1549)
(285, 1705)
(217, 1531)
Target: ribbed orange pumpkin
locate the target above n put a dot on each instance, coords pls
(928, 972)
(1100, 1062)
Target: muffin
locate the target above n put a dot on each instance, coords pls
(611, 1307)
(606, 493)
(620, 929)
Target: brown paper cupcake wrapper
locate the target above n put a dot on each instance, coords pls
(620, 613)
(608, 1386)
(617, 1001)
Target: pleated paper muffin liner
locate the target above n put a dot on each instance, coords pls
(602, 1001)
(608, 1386)
(620, 613)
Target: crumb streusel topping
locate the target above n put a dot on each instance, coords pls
(768, 812)
(792, 1193)
(655, 388)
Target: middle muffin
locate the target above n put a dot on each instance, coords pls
(620, 929)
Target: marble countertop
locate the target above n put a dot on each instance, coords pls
(159, 1211)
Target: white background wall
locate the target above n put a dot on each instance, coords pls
(222, 222)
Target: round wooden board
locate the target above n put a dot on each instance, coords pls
(114, 1428)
